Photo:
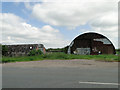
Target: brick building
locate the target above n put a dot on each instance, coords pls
(23, 49)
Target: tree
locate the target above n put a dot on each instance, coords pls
(66, 49)
(4, 50)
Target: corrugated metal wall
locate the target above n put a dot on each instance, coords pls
(97, 43)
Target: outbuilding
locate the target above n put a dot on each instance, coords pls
(91, 44)
(23, 49)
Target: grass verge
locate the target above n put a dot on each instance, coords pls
(60, 56)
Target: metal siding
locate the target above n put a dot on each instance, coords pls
(96, 42)
(83, 51)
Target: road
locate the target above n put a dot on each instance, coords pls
(60, 74)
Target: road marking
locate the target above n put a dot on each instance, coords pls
(99, 83)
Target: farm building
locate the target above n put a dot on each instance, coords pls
(91, 44)
(23, 49)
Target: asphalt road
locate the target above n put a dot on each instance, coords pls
(85, 75)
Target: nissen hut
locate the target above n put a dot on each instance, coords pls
(91, 44)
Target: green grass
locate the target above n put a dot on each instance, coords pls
(60, 56)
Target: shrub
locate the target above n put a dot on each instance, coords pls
(39, 52)
(35, 52)
(4, 50)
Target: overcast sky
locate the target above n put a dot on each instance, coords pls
(55, 23)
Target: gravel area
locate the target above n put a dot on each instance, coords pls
(63, 63)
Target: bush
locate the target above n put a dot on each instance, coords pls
(35, 52)
(65, 49)
(4, 50)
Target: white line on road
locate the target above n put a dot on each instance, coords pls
(99, 83)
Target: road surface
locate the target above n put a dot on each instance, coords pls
(60, 74)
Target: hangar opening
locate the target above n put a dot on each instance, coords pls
(91, 44)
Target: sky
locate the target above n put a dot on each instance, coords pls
(55, 23)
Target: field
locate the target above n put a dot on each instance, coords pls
(60, 56)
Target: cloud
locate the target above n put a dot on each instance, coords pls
(71, 14)
(60, 1)
(107, 25)
(101, 15)
(16, 31)
(21, 1)
(27, 5)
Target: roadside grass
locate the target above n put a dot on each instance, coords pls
(60, 56)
